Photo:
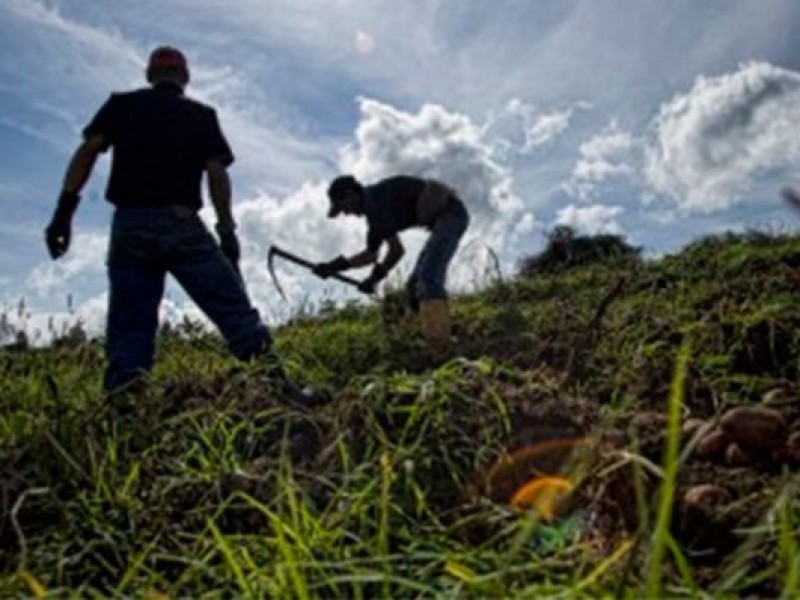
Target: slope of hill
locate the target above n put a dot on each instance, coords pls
(662, 394)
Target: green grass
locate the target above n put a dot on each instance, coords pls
(213, 486)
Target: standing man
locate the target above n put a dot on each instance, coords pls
(162, 144)
(391, 206)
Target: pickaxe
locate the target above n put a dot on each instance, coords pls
(276, 251)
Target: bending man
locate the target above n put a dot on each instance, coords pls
(394, 205)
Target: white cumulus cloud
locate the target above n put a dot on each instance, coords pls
(523, 128)
(436, 142)
(604, 156)
(712, 143)
(538, 127)
(85, 259)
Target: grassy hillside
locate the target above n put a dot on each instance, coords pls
(402, 486)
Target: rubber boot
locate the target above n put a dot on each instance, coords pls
(435, 320)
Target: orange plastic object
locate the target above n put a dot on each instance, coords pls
(542, 494)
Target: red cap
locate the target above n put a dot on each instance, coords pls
(167, 57)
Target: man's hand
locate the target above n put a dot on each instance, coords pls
(57, 237)
(229, 244)
(367, 286)
(58, 233)
(326, 269)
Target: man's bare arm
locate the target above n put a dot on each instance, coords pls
(393, 256)
(362, 259)
(82, 163)
(368, 257)
(59, 231)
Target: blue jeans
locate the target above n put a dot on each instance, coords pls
(148, 243)
(427, 281)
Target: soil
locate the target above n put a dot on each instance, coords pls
(718, 499)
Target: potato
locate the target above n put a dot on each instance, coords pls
(705, 495)
(755, 428)
(777, 397)
(735, 456)
(792, 450)
(712, 445)
(691, 426)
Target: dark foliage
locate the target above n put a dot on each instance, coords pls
(565, 250)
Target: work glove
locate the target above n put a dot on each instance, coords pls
(58, 233)
(368, 285)
(229, 244)
(326, 269)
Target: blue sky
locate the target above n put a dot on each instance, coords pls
(662, 121)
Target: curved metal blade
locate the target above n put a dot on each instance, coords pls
(271, 269)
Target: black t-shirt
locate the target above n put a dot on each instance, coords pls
(161, 142)
(390, 206)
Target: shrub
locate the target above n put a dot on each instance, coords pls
(565, 250)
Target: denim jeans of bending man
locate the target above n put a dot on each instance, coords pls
(427, 281)
(147, 244)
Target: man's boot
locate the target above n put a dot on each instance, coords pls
(122, 394)
(276, 375)
(435, 318)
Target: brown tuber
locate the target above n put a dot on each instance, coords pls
(735, 456)
(779, 396)
(692, 426)
(792, 450)
(755, 428)
(705, 495)
(712, 445)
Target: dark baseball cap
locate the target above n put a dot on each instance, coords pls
(334, 210)
(338, 191)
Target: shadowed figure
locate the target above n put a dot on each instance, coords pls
(162, 144)
(389, 207)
